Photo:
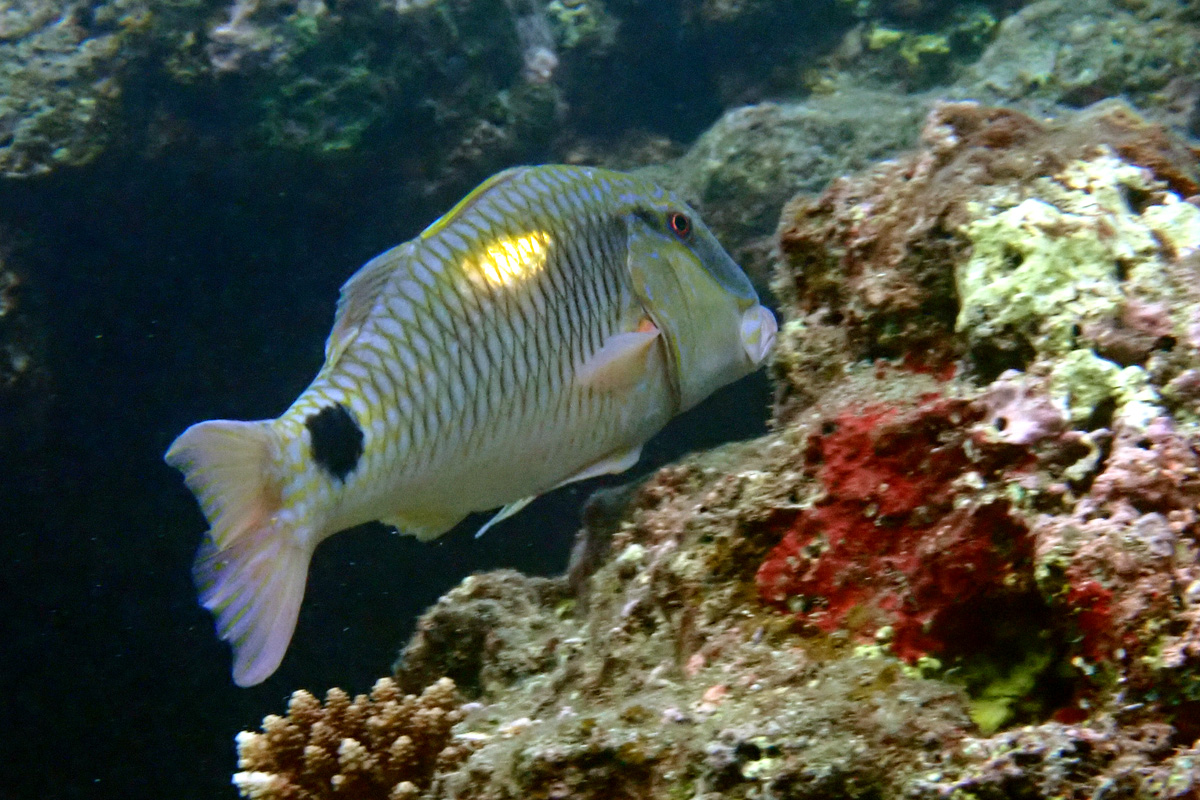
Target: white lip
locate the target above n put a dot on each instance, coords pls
(758, 333)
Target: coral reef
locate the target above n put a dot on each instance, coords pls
(901, 543)
(477, 85)
(1056, 760)
(862, 107)
(753, 159)
(902, 56)
(909, 260)
(1041, 56)
(471, 83)
(964, 563)
(675, 681)
(1046, 275)
(1121, 559)
(59, 85)
(466, 86)
(310, 77)
(463, 87)
(1060, 52)
(1065, 253)
(386, 745)
(476, 634)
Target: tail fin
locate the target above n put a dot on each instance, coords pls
(254, 588)
(251, 568)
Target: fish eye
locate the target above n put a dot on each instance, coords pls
(679, 224)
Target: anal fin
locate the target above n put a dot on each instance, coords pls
(425, 526)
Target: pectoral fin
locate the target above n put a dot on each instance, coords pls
(621, 361)
(505, 513)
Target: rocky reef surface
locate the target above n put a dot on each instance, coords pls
(25, 389)
(862, 98)
(445, 91)
(966, 561)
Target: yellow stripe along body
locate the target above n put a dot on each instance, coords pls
(461, 376)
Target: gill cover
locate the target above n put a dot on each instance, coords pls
(698, 297)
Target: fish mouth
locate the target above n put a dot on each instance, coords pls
(758, 333)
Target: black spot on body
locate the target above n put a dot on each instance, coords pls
(337, 441)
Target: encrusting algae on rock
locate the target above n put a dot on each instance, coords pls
(963, 564)
(1094, 241)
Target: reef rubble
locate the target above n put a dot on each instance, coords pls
(965, 562)
(24, 378)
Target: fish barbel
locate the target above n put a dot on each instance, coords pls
(535, 335)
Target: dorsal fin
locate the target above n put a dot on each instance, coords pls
(359, 293)
(358, 298)
(470, 200)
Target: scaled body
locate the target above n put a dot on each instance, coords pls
(538, 334)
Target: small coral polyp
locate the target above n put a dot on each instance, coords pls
(906, 534)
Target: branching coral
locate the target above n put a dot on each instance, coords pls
(386, 745)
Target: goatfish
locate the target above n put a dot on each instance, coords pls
(537, 334)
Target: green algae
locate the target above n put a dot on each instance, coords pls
(578, 21)
(1001, 694)
(925, 56)
(1084, 382)
(1068, 256)
(1037, 272)
(1000, 691)
(1017, 681)
(880, 37)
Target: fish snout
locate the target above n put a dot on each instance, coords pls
(758, 333)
